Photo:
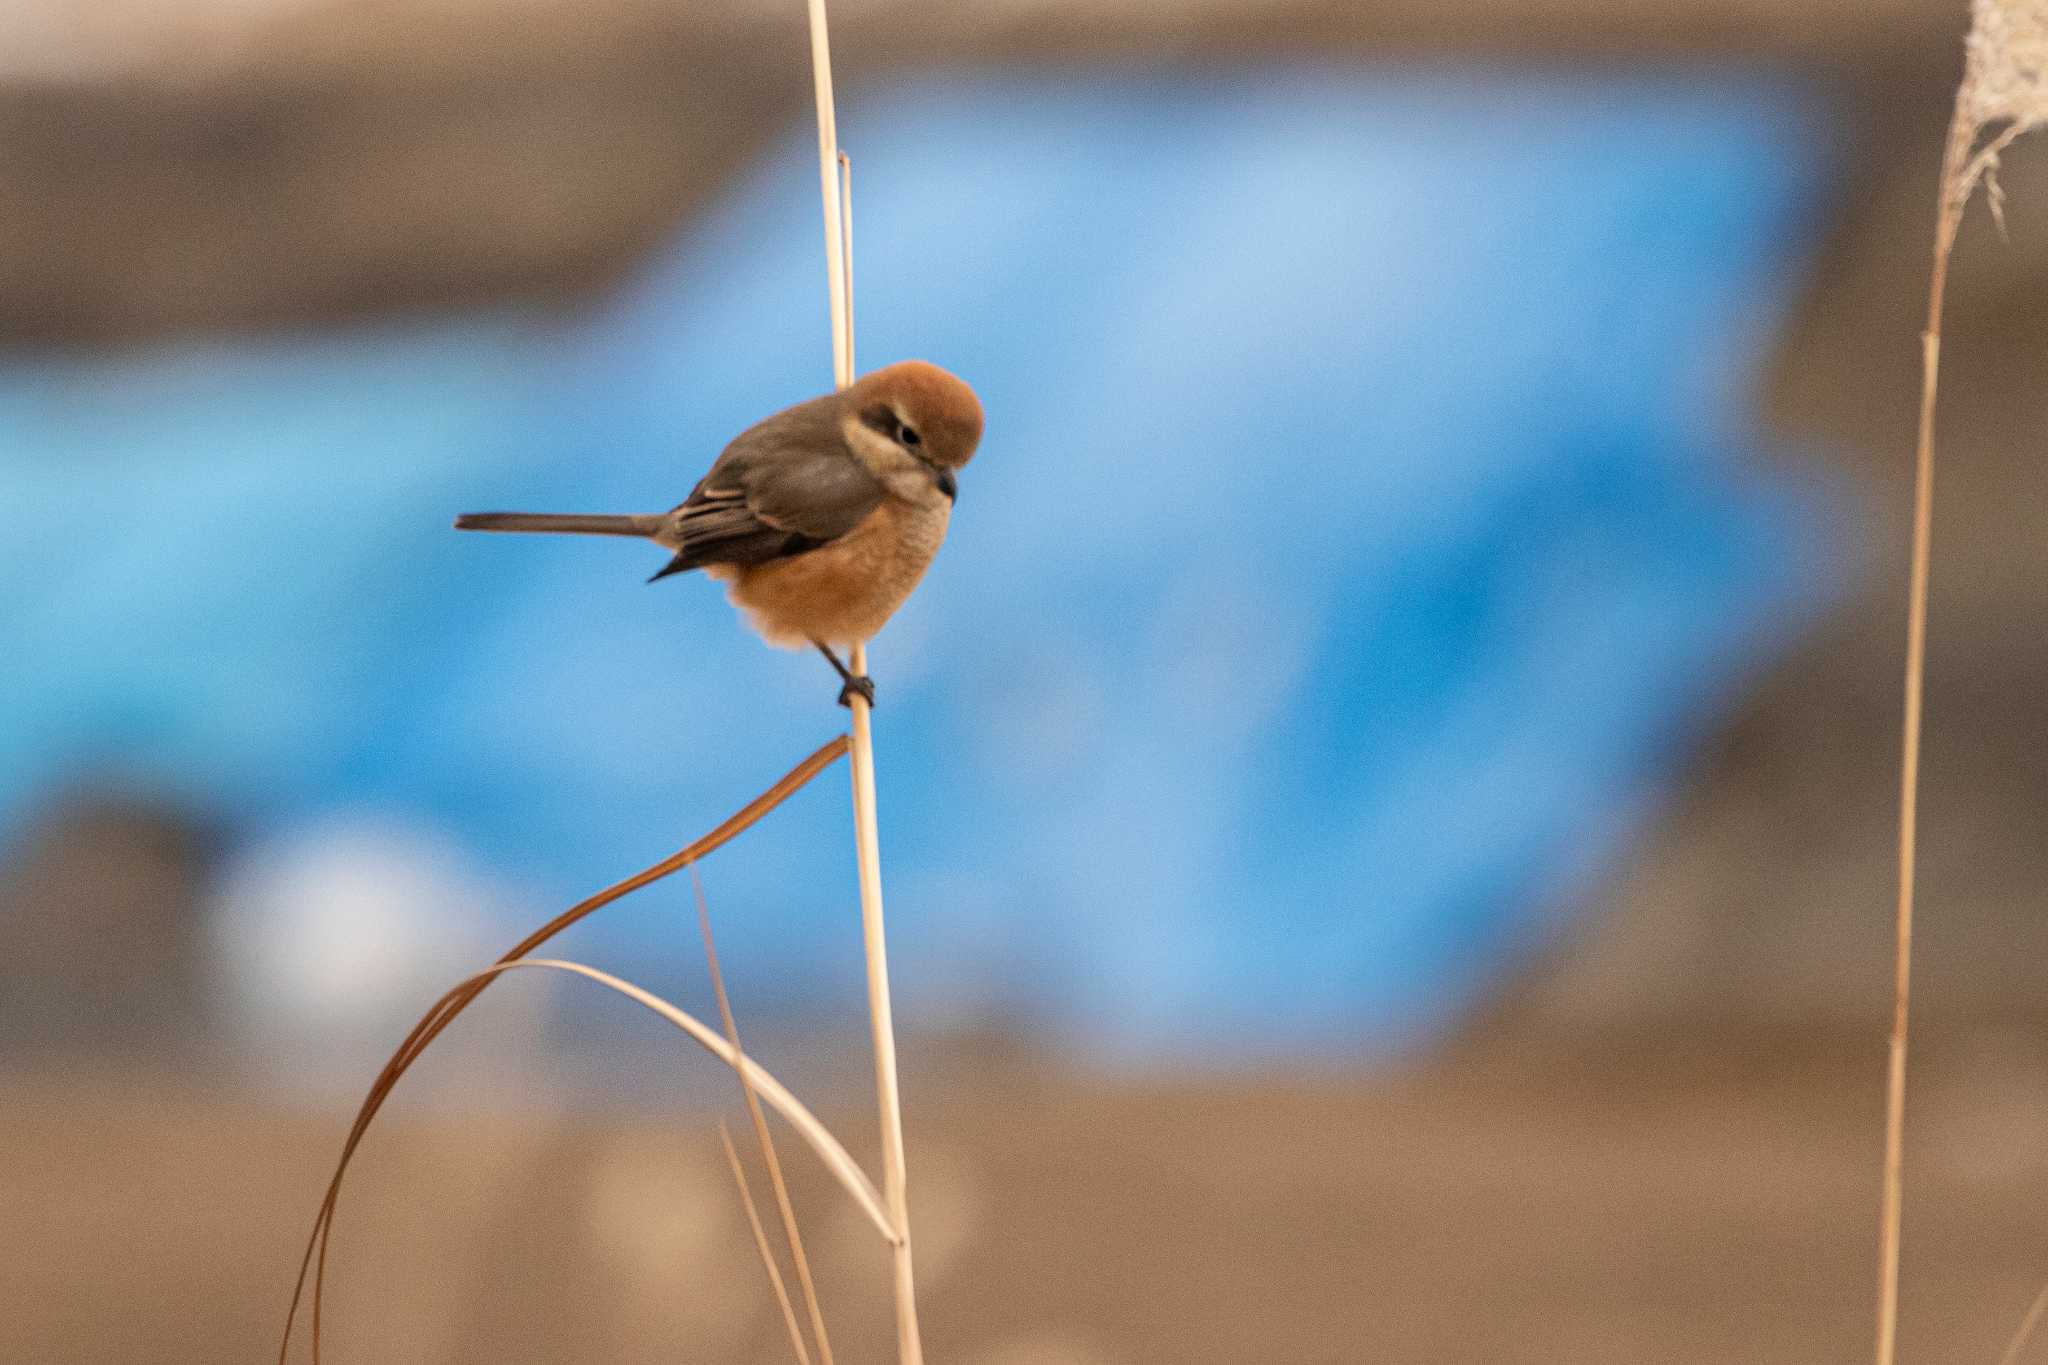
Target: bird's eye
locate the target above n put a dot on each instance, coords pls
(909, 436)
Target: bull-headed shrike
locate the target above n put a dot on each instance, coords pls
(823, 517)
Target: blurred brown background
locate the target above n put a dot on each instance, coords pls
(1661, 1144)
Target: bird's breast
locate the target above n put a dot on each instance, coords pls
(844, 592)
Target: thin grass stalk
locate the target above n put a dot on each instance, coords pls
(2021, 1337)
(837, 264)
(835, 184)
(846, 267)
(1892, 1201)
(2003, 93)
(443, 1012)
(762, 1136)
(739, 1178)
(910, 1348)
(779, 1097)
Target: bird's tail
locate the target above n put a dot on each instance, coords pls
(570, 522)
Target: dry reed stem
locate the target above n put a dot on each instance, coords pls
(846, 268)
(444, 1011)
(837, 263)
(1892, 1197)
(739, 1178)
(761, 1133)
(835, 1156)
(2005, 82)
(835, 184)
(909, 1348)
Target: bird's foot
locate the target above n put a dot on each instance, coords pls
(862, 686)
(857, 684)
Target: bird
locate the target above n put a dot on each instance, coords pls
(821, 519)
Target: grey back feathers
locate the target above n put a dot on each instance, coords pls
(784, 486)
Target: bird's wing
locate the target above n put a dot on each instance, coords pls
(781, 488)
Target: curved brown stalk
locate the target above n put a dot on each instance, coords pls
(444, 1011)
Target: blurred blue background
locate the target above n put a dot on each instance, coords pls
(1387, 792)
(1327, 603)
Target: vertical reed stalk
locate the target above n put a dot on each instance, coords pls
(2005, 78)
(834, 182)
(909, 1349)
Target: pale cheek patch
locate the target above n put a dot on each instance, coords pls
(883, 457)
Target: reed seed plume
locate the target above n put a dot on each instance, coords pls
(2005, 88)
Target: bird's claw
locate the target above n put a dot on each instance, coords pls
(862, 687)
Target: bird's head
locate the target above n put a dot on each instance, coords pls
(931, 414)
